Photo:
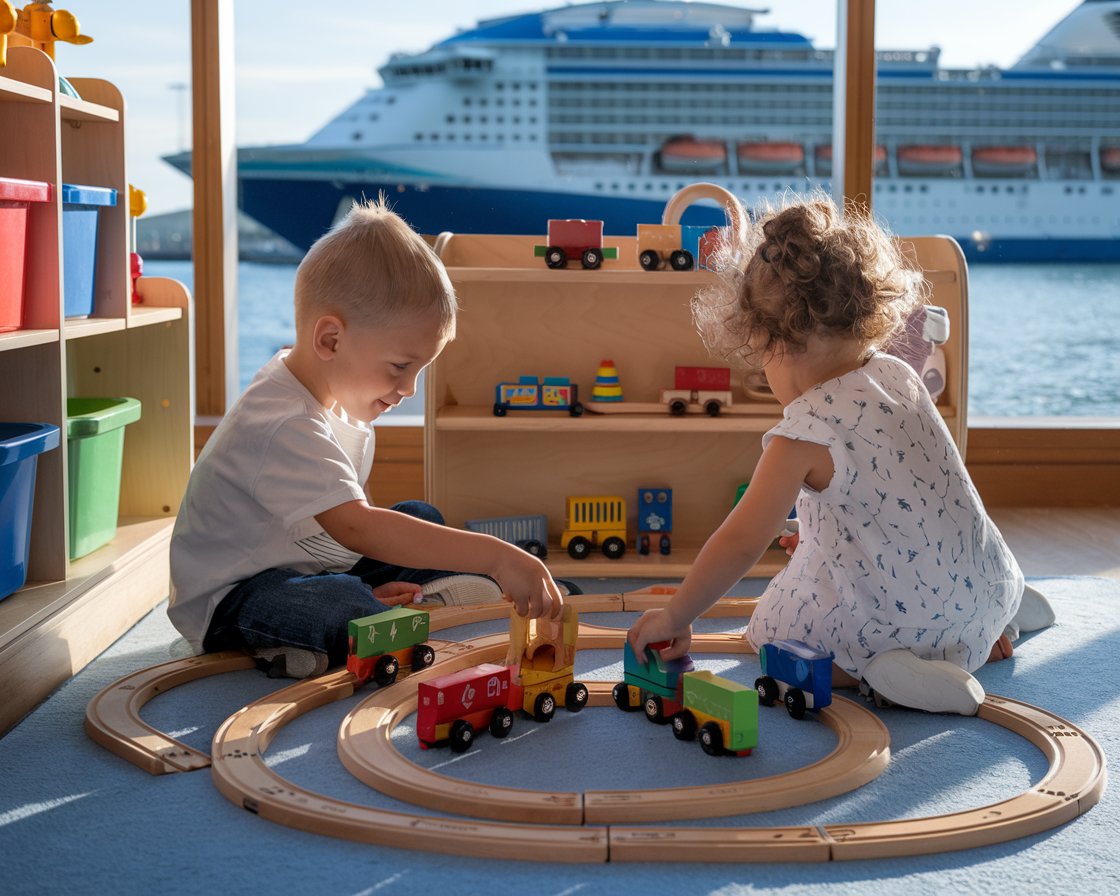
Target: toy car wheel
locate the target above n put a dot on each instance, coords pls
(767, 690)
(677, 407)
(666, 546)
(712, 408)
(576, 410)
(576, 696)
(614, 548)
(592, 259)
(684, 725)
(544, 707)
(795, 703)
(579, 548)
(649, 260)
(555, 257)
(681, 260)
(501, 723)
(620, 693)
(711, 738)
(499, 410)
(461, 736)
(422, 656)
(654, 708)
(535, 548)
(643, 545)
(385, 672)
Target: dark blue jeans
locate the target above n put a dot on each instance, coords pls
(285, 608)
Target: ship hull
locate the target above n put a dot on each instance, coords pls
(303, 210)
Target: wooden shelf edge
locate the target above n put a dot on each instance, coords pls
(11, 89)
(81, 328)
(653, 566)
(37, 602)
(25, 338)
(72, 109)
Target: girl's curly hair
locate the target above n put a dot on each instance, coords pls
(803, 270)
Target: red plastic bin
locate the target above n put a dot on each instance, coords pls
(16, 197)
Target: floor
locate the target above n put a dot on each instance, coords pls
(1070, 541)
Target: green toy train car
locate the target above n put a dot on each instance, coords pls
(382, 644)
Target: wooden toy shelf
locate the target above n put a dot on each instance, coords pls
(70, 611)
(519, 318)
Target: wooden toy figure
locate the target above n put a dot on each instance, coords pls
(7, 26)
(541, 658)
(39, 25)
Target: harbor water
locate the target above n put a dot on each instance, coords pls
(1044, 339)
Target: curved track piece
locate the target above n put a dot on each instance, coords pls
(366, 749)
(241, 775)
(113, 716)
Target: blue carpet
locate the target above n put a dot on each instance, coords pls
(76, 819)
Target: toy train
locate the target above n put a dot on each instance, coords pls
(552, 393)
(796, 674)
(706, 387)
(721, 714)
(384, 644)
(595, 520)
(528, 532)
(674, 246)
(537, 676)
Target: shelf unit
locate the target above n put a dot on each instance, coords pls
(517, 318)
(68, 612)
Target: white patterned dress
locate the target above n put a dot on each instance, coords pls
(897, 551)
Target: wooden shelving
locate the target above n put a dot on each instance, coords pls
(69, 611)
(519, 318)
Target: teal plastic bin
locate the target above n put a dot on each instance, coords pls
(95, 443)
(20, 447)
(80, 224)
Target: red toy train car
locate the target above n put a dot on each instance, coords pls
(452, 707)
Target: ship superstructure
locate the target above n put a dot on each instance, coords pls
(604, 110)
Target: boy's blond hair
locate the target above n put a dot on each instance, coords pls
(372, 269)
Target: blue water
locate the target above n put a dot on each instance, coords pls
(1044, 339)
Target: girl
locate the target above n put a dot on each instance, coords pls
(897, 569)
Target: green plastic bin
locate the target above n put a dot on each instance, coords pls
(95, 442)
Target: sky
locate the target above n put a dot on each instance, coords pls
(299, 64)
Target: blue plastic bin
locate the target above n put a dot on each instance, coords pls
(80, 213)
(20, 447)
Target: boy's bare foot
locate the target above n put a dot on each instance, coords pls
(1001, 650)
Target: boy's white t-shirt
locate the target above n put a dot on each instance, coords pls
(276, 460)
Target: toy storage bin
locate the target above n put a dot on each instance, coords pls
(20, 447)
(95, 442)
(16, 197)
(80, 208)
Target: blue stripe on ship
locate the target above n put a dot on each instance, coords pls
(303, 210)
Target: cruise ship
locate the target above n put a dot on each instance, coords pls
(604, 110)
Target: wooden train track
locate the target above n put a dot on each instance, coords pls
(1073, 783)
(365, 747)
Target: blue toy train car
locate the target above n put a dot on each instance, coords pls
(797, 674)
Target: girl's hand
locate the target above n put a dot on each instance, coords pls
(790, 542)
(655, 626)
(396, 594)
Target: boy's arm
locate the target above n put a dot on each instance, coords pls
(404, 540)
(739, 542)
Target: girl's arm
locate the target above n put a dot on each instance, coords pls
(404, 540)
(785, 465)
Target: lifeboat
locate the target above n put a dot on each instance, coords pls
(929, 160)
(1004, 161)
(689, 156)
(1110, 159)
(764, 157)
(823, 156)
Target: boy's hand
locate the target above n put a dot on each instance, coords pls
(527, 584)
(396, 594)
(654, 626)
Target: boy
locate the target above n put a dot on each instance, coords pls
(273, 548)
